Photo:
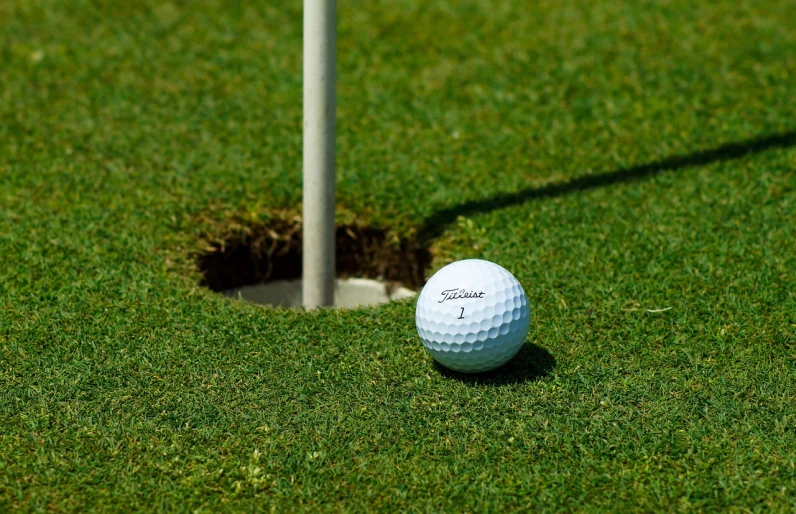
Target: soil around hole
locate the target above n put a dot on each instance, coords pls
(258, 253)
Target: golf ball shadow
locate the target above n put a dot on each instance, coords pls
(532, 362)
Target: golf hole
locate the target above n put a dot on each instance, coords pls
(261, 263)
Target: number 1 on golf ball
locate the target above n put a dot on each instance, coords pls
(472, 316)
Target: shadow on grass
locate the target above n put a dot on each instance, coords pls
(531, 363)
(436, 223)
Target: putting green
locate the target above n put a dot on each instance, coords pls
(632, 164)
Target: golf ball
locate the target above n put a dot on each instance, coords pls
(472, 316)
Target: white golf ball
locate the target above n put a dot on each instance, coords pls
(472, 316)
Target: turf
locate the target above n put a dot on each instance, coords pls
(631, 162)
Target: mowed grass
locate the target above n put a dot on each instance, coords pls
(632, 163)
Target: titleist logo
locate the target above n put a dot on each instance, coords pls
(458, 294)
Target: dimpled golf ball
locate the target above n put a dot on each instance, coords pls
(472, 316)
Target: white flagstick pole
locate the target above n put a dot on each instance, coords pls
(320, 27)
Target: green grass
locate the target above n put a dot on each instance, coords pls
(616, 156)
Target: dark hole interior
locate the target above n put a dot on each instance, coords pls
(264, 253)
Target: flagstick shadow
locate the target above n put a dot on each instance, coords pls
(433, 226)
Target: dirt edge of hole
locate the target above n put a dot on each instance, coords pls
(254, 252)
